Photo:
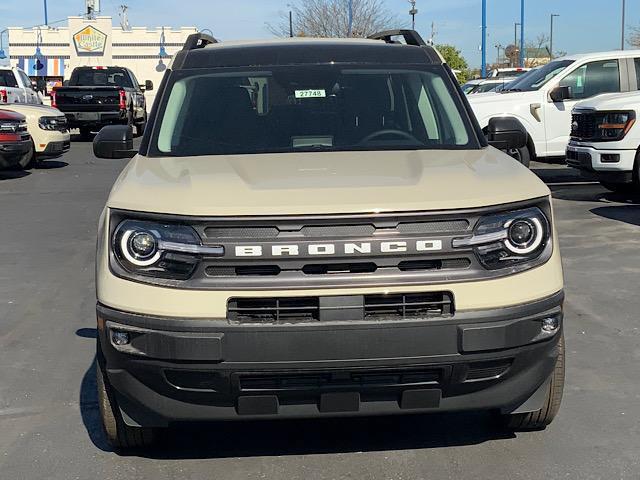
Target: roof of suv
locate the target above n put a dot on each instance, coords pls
(203, 51)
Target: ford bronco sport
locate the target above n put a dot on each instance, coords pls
(319, 227)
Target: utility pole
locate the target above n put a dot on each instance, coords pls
(413, 12)
(553, 15)
(522, 48)
(483, 72)
(290, 23)
(624, 11)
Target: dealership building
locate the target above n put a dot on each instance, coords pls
(51, 53)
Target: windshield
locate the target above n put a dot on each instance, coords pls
(100, 77)
(535, 79)
(325, 107)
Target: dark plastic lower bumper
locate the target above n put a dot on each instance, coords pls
(55, 149)
(12, 152)
(191, 370)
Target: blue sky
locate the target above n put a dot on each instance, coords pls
(583, 25)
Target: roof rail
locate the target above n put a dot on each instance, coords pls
(198, 40)
(411, 37)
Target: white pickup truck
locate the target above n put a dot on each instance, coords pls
(16, 87)
(542, 99)
(605, 140)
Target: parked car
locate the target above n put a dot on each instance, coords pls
(15, 141)
(292, 241)
(605, 140)
(543, 99)
(473, 87)
(48, 129)
(510, 72)
(98, 96)
(16, 87)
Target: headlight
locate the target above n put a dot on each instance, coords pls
(159, 250)
(509, 239)
(614, 125)
(52, 123)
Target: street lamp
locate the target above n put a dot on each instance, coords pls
(413, 12)
(553, 15)
(483, 70)
(515, 45)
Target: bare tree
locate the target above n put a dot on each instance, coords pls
(537, 52)
(634, 38)
(330, 18)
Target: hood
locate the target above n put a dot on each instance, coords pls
(613, 101)
(34, 110)
(323, 183)
(7, 114)
(496, 98)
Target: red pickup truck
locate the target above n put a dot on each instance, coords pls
(15, 141)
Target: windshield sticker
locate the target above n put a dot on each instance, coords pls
(311, 93)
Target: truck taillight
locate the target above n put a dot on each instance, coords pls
(4, 97)
(123, 100)
(54, 104)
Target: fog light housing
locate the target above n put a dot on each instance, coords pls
(550, 325)
(120, 338)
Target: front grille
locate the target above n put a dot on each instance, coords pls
(351, 308)
(414, 305)
(584, 125)
(272, 270)
(349, 380)
(337, 230)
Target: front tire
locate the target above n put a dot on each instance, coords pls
(540, 419)
(119, 435)
(522, 155)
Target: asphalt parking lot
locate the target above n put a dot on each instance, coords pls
(49, 421)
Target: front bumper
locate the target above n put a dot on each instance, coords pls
(593, 161)
(11, 153)
(177, 370)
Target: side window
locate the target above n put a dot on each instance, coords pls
(134, 80)
(25, 79)
(637, 62)
(7, 79)
(593, 79)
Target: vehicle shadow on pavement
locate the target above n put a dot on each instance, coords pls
(89, 398)
(298, 437)
(623, 213)
(13, 174)
(51, 164)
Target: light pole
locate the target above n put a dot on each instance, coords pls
(46, 17)
(553, 15)
(483, 72)
(515, 44)
(522, 49)
(624, 11)
(499, 47)
(413, 12)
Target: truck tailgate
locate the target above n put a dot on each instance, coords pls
(88, 99)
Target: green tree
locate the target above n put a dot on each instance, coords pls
(456, 61)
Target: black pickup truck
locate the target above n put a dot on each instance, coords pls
(99, 96)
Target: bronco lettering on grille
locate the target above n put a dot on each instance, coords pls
(318, 249)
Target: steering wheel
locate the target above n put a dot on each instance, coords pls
(380, 133)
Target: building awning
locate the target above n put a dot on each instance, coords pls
(43, 67)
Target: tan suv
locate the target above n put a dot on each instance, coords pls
(318, 227)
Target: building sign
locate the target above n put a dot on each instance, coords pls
(90, 40)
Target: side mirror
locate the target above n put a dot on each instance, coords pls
(560, 94)
(506, 133)
(148, 86)
(114, 141)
